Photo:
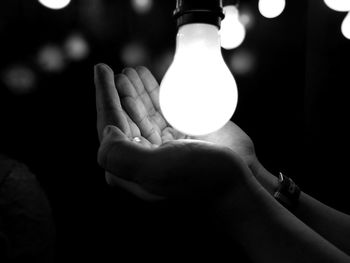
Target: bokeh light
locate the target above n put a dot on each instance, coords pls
(54, 4)
(338, 5)
(51, 59)
(19, 79)
(133, 54)
(246, 17)
(142, 6)
(232, 30)
(76, 47)
(271, 8)
(345, 26)
(242, 62)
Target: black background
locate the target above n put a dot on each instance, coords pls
(293, 105)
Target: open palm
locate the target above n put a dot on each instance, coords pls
(139, 95)
(133, 103)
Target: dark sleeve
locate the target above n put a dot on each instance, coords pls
(26, 224)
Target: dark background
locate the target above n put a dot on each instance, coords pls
(292, 102)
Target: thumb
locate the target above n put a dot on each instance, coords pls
(119, 155)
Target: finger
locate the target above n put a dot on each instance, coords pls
(142, 94)
(135, 131)
(108, 106)
(120, 156)
(136, 109)
(151, 86)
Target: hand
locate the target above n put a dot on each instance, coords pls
(139, 93)
(179, 169)
(144, 109)
(164, 162)
(237, 140)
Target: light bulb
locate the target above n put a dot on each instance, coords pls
(232, 30)
(338, 5)
(55, 4)
(271, 8)
(345, 26)
(198, 94)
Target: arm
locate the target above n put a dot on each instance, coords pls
(328, 222)
(181, 168)
(270, 233)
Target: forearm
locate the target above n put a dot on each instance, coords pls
(270, 233)
(328, 222)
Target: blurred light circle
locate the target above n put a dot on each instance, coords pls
(246, 18)
(19, 79)
(76, 47)
(232, 31)
(242, 62)
(55, 4)
(142, 6)
(133, 54)
(51, 59)
(338, 5)
(271, 8)
(345, 26)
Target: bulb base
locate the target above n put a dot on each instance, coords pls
(198, 11)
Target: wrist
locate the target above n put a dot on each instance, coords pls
(242, 209)
(264, 177)
(285, 191)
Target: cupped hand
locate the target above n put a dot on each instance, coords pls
(139, 97)
(130, 102)
(179, 169)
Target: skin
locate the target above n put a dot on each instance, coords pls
(167, 164)
(163, 163)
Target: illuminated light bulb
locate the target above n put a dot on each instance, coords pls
(232, 30)
(345, 26)
(55, 4)
(338, 5)
(271, 8)
(198, 94)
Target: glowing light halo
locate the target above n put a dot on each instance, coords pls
(271, 8)
(345, 26)
(338, 5)
(54, 4)
(232, 31)
(198, 93)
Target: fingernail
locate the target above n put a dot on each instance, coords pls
(96, 67)
(100, 67)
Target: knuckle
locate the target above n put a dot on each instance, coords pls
(103, 154)
(120, 78)
(128, 70)
(141, 70)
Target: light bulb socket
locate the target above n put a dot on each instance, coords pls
(198, 11)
